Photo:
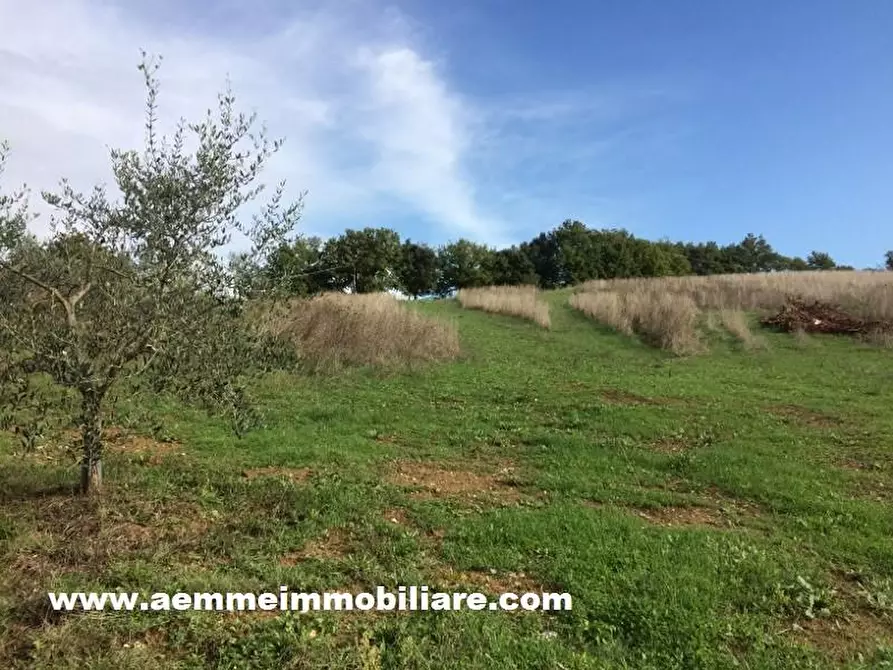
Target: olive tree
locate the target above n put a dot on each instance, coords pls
(134, 290)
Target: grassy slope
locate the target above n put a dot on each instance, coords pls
(793, 494)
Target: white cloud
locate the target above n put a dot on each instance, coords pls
(419, 133)
(371, 125)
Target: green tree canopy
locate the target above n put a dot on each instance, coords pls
(418, 269)
(511, 267)
(366, 261)
(819, 260)
(134, 290)
(463, 264)
(296, 268)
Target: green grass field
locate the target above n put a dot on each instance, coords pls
(728, 510)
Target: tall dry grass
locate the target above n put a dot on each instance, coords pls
(666, 320)
(335, 329)
(522, 301)
(865, 294)
(666, 310)
(735, 321)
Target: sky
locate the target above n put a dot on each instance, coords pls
(492, 120)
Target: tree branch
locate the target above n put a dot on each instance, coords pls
(69, 311)
(75, 298)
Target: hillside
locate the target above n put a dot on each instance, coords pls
(727, 509)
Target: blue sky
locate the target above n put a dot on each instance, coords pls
(496, 120)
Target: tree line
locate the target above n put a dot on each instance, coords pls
(376, 259)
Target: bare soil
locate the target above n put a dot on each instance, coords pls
(805, 415)
(334, 545)
(436, 481)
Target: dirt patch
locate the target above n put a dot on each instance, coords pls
(871, 485)
(673, 484)
(180, 526)
(397, 516)
(726, 502)
(16, 644)
(670, 445)
(296, 475)
(436, 481)
(712, 507)
(797, 315)
(30, 565)
(131, 535)
(154, 637)
(487, 581)
(334, 545)
(856, 464)
(804, 415)
(709, 507)
(81, 535)
(620, 397)
(121, 441)
(147, 449)
(843, 639)
(673, 516)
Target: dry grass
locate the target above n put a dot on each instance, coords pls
(522, 301)
(608, 307)
(881, 339)
(802, 339)
(665, 310)
(335, 329)
(735, 322)
(667, 320)
(868, 295)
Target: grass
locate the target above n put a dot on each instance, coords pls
(334, 330)
(667, 320)
(520, 301)
(668, 311)
(867, 294)
(737, 323)
(726, 510)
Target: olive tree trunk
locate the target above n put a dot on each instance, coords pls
(91, 433)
